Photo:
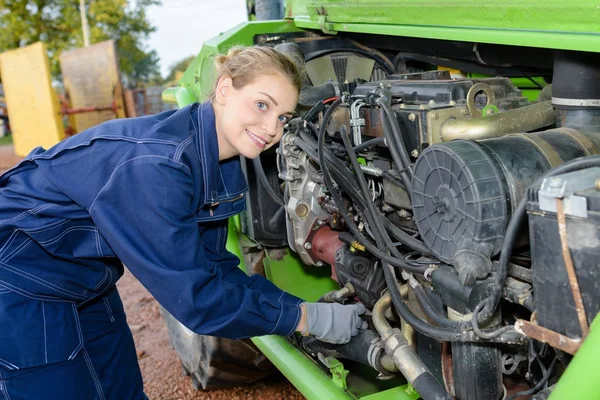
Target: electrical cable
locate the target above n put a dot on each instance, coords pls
(400, 235)
(338, 201)
(396, 144)
(362, 182)
(382, 238)
(438, 333)
(536, 388)
(489, 334)
(262, 178)
(512, 230)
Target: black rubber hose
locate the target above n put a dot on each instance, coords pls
(399, 234)
(262, 178)
(396, 144)
(393, 179)
(405, 238)
(433, 313)
(486, 335)
(538, 385)
(430, 389)
(338, 201)
(311, 95)
(369, 143)
(438, 333)
(364, 187)
(512, 230)
(425, 384)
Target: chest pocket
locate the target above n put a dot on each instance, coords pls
(36, 332)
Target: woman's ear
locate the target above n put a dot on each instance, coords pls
(223, 89)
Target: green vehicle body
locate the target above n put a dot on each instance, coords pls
(554, 24)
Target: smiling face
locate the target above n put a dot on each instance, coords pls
(250, 119)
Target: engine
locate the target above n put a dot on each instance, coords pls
(416, 190)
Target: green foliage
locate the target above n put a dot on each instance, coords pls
(58, 24)
(5, 140)
(179, 66)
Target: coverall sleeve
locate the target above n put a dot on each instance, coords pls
(231, 273)
(146, 214)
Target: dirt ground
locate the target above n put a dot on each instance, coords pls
(162, 373)
(163, 376)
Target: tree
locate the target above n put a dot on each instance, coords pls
(57, 23)
(178, 66)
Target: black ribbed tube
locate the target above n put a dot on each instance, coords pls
(429, 388)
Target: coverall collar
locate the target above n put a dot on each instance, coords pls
(224, 180)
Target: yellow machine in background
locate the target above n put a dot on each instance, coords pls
(93, 93)
(33, 106)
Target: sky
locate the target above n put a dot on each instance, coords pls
(182, 26)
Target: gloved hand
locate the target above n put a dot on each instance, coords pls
(333, 322)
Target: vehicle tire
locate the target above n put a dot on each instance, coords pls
(214, 362)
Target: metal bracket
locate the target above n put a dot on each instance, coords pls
(564, 187)
(338, 373)
(326, 27)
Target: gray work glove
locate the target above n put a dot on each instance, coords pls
(333, 322)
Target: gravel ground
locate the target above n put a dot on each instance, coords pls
(162, 373)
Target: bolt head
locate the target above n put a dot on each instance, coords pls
(435, 115)
(307, 245)
(319, 263)
(414, 153)
(464, 111)
(412, 116)
(555, 183)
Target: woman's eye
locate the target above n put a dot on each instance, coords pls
(283, 119)
(262, 105)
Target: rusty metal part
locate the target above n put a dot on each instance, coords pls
(562, 232)
(544, 335)
(447, 372)
(340, 117)
(373, 122)
(325, 243)
(522, 119)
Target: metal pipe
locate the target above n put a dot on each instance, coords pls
(301, 371)
(522, 119)
(405, 357)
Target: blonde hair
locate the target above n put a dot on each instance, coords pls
(244, 64)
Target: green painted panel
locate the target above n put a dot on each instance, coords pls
(200, 76)
(581, 380)
(285, 269)
(533, 15)
(542, 39)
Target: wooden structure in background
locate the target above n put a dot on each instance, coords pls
(92, 80)
(32, 103)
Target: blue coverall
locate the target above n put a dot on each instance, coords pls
(147, 192)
